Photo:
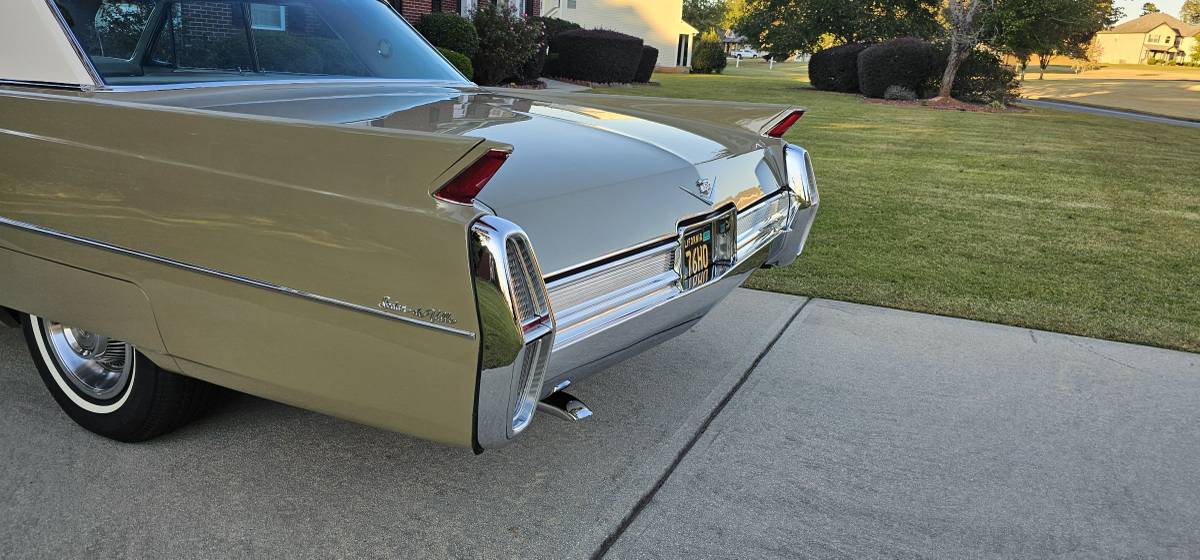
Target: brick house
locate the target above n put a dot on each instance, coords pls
(412, 10)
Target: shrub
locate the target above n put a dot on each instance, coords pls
(597, 55)
(982, 78)
(646, 66)
(552, 27)
(459, 60)
(904, 62)
(506, 41)
(708, 56)
(836, 68)
(450, 31)
(900, 93)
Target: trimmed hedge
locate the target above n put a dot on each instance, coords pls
(597, 55)
(460, 61)
(904, 62)
(450, 31)
(708, 57)
(836, 68)
(553, 26)
(646, 66)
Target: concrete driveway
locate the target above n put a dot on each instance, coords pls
(814, 429)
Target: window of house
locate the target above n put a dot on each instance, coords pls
(571, 4)
(436, 5)
(268, 17)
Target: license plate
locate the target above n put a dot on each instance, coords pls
(706, 251)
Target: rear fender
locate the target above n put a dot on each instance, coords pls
(302, 262)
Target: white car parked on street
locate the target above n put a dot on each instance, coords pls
(746, 53)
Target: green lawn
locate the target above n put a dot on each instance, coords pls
(1051, 220)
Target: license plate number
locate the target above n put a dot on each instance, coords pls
(705, 251)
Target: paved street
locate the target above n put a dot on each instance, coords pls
(814, 429)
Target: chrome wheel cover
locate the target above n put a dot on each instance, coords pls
(95, 365)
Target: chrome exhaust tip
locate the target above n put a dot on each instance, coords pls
(563, 406)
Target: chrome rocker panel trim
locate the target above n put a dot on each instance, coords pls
(230, 277)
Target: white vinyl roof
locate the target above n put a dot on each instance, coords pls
(34, 47)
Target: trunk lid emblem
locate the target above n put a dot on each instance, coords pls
(703, 190)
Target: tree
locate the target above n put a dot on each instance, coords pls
(785, 26)
(1190, 12)
(1150, 8)
(965, 26)
(1048, 27)
(704, 15)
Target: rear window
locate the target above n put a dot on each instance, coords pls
(164, 42)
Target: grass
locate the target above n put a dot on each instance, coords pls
(1046, 219)
(1163, 90)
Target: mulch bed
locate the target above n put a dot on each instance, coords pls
(949, 105)
(603, 85)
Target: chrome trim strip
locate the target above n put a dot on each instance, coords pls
(239, 83)
(231, 277)
(585, 268)
(97, 81)
(47, 85)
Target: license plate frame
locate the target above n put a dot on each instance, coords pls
(706, 250)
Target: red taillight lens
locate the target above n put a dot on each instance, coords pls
(466, 186)
(780, 129)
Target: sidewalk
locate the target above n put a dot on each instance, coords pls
(778, 428)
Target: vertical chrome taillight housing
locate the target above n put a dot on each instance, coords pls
(800, 177)
(516, 328)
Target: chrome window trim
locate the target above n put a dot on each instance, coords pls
(231, 277)
(47, 85)
(97, 81)
(283, 82)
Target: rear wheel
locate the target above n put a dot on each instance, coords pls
(107, 386)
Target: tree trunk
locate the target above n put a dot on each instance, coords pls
(952, 65)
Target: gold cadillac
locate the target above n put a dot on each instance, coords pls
(302, 200)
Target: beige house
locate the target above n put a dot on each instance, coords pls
(658, 22)
(1152, 36)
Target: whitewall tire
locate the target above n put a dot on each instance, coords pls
(107, 386)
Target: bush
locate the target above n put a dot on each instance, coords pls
(506, 41)
(646, 66)
(900, 93)
(459, 60)
(982, 78)
(450, 31)
(597, 55)
(552, 27)
(905, 62)
(708, 56)
(836, 68)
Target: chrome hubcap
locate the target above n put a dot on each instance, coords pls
(98, 366)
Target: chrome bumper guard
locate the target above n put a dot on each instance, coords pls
(516, 329)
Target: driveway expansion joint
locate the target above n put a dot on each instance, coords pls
(648, 497)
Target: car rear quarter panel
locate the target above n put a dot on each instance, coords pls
(343, 212)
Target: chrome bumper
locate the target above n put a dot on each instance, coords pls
(594, 334)
(538, 338)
